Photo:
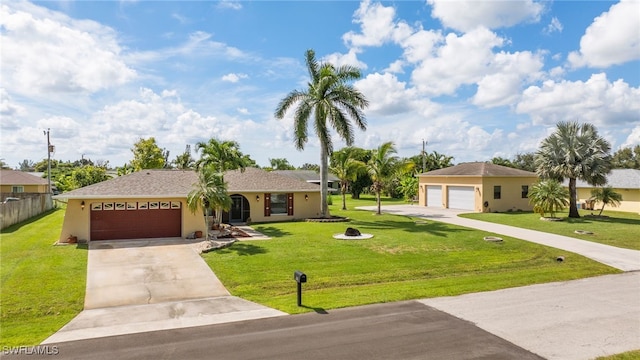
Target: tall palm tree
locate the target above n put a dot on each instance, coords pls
(381, 166)
(574, 151)
(332, 102)
(548, 196)
(607, 196)
(210, 192)
(346, 168)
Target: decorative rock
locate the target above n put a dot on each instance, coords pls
(583, 232)
(352, 232)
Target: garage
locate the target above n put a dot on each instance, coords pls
(461, 197)
(135, 220)
(434, 196)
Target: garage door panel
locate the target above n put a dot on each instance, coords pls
(434, 196)
(461, 197)
(136, 224)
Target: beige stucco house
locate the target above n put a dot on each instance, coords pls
(625, 182)
(153, 204)
(477, 187)
(16, 182)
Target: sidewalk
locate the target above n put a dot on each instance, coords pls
(619, 258)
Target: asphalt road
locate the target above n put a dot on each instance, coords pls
(404, 330)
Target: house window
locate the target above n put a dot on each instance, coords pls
(497, 191)
(17, 189)
(278, 204)
(525, 191)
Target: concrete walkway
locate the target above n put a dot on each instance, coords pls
(147, 285)
(623, 259)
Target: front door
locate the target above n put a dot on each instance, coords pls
(236, 209)
(240, 210)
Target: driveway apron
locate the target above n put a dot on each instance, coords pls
(147, 272)
(619, 258)
(138, 286)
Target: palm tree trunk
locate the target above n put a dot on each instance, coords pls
(602, 209)
(343, 190)
(378, 200)
(573, 208)
(324, 175)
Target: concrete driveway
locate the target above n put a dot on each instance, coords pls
(153, 284)
(623, 259)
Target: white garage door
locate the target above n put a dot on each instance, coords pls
(461, 197)
(434, 196)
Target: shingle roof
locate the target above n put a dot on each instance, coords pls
(178, 183)
(618, 179)
(253, 179)
(140, 184)
(479, 169)
(13, 177)
(304, 175)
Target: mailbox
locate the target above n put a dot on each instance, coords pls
(300, 277)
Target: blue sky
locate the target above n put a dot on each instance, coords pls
(475, 79)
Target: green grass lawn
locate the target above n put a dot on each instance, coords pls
(630, 355)
(619, 229)
(406, 259)
(42, 286)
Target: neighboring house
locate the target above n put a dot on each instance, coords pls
(13, 183)
(477, 187)
(153, 204)
(625, 182)
(312, 177)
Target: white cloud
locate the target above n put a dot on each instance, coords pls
(554, 26)
(596, 100)
(386, 94)
(10, 112)
(376, 22)
(633, 139)
(226, 4)
(234, 78)
(613, 38)
(468, 15)
(243, 111)
(47, 52)
(447, 71)
(507, 72)
(350, 58)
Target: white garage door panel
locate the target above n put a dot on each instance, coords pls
(434, 196)
(461, 197)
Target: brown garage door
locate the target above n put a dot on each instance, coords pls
(109, 221)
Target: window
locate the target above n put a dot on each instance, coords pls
(497, 190)
(278, 204)
(525, 191)
(17, 189)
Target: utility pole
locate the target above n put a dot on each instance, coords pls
(424, 159)
(49, 150)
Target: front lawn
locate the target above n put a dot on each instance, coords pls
(407, 259)
(621, 229)
(42, 286)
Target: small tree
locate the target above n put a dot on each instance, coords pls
(210, 192)
(346, 168)
(408, 187)
(606, 196)
(548, 196)
(381, 166)
(148, 155)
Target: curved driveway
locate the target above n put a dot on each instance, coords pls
(623, 259)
